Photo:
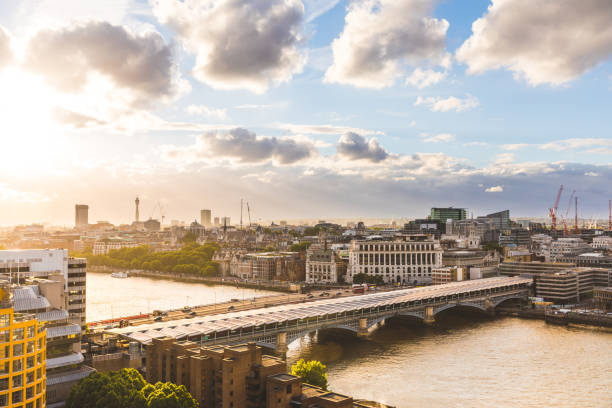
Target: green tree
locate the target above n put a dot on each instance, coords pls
(168, 395)
(312, 372)
(190, 237)
(301, 247)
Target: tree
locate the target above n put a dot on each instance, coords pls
(301, 247)
(189, 237)
(312, 372)
(168, 395)
(126, 388)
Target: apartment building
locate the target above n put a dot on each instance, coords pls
(602, 242)
(105, 245)
(404, 259)
(22, 356)
(447, 274)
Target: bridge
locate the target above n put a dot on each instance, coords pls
(276, 327)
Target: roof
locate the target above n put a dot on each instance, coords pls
(74, 358)
(63, 330)
(53, 315)
(71, 376)
(27, 298)
(208, 325)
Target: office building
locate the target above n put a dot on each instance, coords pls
(216, 221)
(266, 266)
(447, 274)
(323, 265)
(602, 296)
(602, 242)
(205, 218)
(40, 263)
(564, 247)
(443, 214)
(540, 246)
(225, 221)
(405, 259)
(81, 215)
(433, 227)
(22, 356)
(501, 219)
(45, 299)
(514, 237)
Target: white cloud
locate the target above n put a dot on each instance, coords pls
(238, 44)
(504, 158)
(12, 195)
(206, 111)
(545, 41)
(356, 147)
(452, 103)
(592, 174)
(439, 138)
(6, 54)
(424, 78)
(324, 129)
(514, 146)
(576, 143)
(494, 189)
(381, 36)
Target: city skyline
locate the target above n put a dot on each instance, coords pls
(335, 109)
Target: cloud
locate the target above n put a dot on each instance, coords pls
(442, 137)
(514, 146)
(424, 78)
(238, 44)
(6, 54)
(139, 67)
(592, 174)
(206, 111)
(12, 195)
(324, 129)
(381, 36)
(243, 146)
(353, 146)
(494, 189)
(75, 120)
(504, 158)
(576, 143)
(452, 103)
(546, 41)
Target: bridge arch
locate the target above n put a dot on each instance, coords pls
(468, 305)
(503, 299)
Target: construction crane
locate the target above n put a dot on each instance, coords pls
(249, 212)
(569, 206)
(161, 212)
(552, 212)
(610, 215)
(576, 216)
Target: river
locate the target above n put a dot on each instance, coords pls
(109, 297)
(461, 362)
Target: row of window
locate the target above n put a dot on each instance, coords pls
(18, 334)
(398, 259)
(30, 362)
(415, 271)
(396, 247)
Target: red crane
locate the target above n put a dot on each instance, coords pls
(576, 216)
(564, 220)
(553, 211)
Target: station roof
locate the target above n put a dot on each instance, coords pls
(207, 325)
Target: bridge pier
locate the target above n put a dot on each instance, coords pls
(281, 344)
(362, 331)
(429, 315)
(489, 307)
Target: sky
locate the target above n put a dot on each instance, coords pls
(304, 108)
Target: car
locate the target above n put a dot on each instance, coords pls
(192, 313)
(235, 300)
(310, 296)
(158, 319)
(338, 293)
(322, 294)
(231, 308)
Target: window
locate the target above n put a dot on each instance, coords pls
(17, 365)
(5, 336)
(30, 377)
(4, 368)
(17, 381)
(18, 334)
(29, 392)
(3, 400)
(18, 349)
(5, 320)
(4, 384)
(30, 362)
(17, 396)
(30, 347)
(30, 331)
(289, 389)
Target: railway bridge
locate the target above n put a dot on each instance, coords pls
(276, 327)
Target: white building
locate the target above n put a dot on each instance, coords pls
(567, 247)
(105, 245)
(40, 263)
(405, 259)
(540, 245)
(602, 243)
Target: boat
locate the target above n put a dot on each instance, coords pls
(120, 275)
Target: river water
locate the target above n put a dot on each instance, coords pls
(461, 362)
(109, 297)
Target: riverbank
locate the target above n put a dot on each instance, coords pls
(271, 286)
(584, 320)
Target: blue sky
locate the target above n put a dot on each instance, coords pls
(305, 108)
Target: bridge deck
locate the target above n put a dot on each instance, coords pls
(207, 325)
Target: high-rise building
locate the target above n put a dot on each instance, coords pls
(81, 215)
(23, 347)
(501, 219)
(137, 215)
(216, 221)
(205, 218)
(225, 221)
(443, 214)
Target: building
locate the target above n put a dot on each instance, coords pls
(217, 376)
(564, 247)
(405, 259)
(105, 245)
(23, 356)
(447, 274)
(443, 214)
(533, 268)
(267, 266)
(205, 218)
(323, 265)
(514, 237)
(216, 221)
(602, 297)
(238, 376)
(40, 263)
(45, 299)
(225, 221)
(540, 246)
(501, 219)
(81, 215)
(151, 225)
(602, 242)
(433, 227)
